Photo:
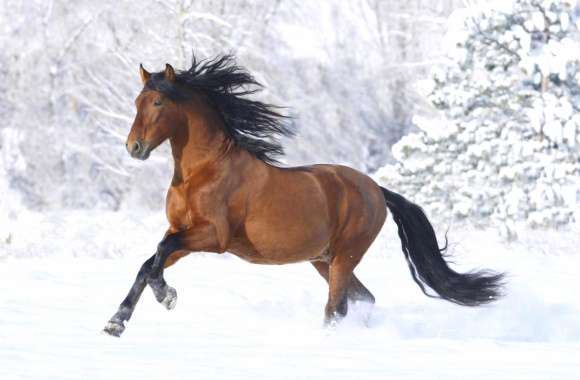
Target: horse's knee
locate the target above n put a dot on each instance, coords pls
(169, 244)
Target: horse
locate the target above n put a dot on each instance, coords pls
(228, 193)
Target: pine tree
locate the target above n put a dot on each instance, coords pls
(505, 147)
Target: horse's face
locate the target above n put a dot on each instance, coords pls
(156, 119)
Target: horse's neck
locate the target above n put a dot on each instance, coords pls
(199, 145)
(201, 148)
(190, 159)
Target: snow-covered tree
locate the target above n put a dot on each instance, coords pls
(505, 145)
(68, 78)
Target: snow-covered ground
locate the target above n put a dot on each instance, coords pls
(63, 274)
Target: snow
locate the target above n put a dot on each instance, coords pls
(64, 273)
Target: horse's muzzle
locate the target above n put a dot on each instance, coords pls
(138, 150)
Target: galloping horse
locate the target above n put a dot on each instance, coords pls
(227, 194)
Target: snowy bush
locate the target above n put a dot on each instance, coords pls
(504, 148)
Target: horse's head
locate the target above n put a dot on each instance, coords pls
(206, 109)
(157, 115)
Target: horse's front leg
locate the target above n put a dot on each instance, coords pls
(164, 293)
(206, 237)
(116, 325)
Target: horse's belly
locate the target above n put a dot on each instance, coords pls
(274, 257)
(289, 221)
(265, 243)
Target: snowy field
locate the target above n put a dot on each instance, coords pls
(494, 130)
(64, 274)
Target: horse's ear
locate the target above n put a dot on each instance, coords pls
(169, 73)
(145, 75)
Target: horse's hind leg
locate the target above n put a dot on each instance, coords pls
(356, 290)
(339, 279)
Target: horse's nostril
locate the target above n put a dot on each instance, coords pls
(136, 147)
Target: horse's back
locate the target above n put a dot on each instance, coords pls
(360, 202)
(353, 201)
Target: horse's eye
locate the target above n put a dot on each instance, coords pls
(157, 103)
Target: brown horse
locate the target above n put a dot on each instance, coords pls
(227, 195)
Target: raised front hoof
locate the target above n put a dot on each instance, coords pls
(170, 299)
(114, 328)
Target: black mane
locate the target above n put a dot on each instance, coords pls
(252, 125)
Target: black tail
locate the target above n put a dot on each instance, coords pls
(426, 261)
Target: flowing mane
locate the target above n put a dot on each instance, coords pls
(251, 124)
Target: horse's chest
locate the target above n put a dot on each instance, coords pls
(178, 209)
